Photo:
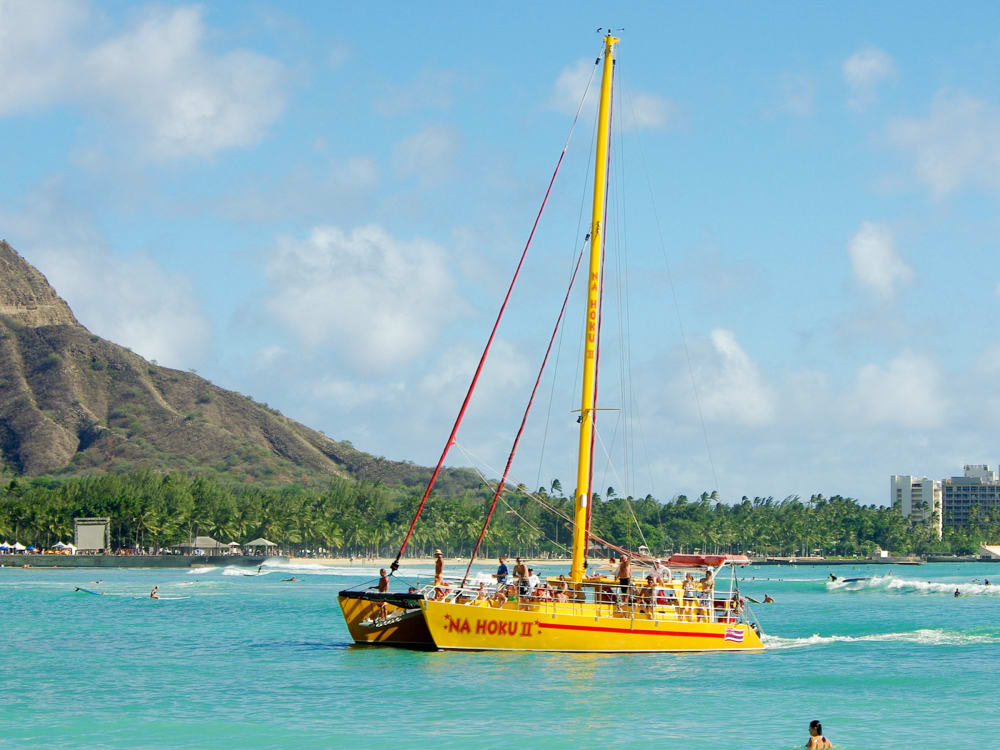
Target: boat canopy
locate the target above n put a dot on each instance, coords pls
(713, 561)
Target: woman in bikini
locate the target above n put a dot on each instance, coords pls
(816, 739)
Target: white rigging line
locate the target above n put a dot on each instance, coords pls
(677, 308)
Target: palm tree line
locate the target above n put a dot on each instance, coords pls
(155, 510)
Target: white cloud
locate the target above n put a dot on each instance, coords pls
(191, 102)
(906, 393)
(957, 144)
(863, 72)
(506, 369)
(731, 387)
(875, 262)
(378, 300)
(131, 301)
(36, 42)
(428, 154)
(797, 94)
(642, 110)
(347, 394)
(178, 98)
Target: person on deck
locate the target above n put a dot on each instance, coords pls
(660, 571)
(532, 581)
(816, 739)
(520, 576)
(383, 581)
(624, 576)
(562, 595)
(501, 574)
(438, 563)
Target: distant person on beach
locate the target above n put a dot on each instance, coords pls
(816, 739)
(768, 599)
(501, 574)
(383, 581)
(153, 594)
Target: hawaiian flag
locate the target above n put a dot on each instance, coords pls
(734, 634)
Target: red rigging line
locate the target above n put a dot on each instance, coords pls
(482, 360)
(524, 419)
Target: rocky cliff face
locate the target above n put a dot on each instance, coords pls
(25, 294)
(72, 402)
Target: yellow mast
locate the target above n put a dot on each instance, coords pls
(593, 301)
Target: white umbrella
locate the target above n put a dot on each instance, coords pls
(235, 544)
(19, 547)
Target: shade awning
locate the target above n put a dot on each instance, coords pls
(200, 542)
(260, 542)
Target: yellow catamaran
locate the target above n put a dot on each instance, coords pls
(667, 611)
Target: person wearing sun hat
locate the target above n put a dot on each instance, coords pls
(438, 563)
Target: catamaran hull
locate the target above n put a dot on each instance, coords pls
(402, 625)
(463, 627)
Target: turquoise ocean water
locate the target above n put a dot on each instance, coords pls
(231, 660)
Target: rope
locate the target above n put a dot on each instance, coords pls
(677, 308)
(527, 410)
(482, 360)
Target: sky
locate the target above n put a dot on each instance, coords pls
(321, 205)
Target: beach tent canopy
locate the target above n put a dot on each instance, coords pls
(4, 545)
(58, 545)
(260, 542)
(200, 542)
(70, 547)
(19, 547)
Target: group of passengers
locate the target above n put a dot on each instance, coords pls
(522, 585)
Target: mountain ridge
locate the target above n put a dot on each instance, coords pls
(72, 402)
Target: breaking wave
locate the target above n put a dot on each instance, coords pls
(924, 636)
(910, 585)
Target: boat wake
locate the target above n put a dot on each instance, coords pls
(910, 585)
(924, 636)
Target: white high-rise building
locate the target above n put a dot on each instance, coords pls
(917, 497)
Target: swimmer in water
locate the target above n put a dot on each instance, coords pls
(293, 579)
(957, 594)
(768, 599)
(153, 594)
(816, 739)
(97, 581)
(987, 582)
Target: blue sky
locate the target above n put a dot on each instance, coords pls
(320, 205)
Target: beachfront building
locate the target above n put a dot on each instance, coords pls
(918, 498)
(970, 498)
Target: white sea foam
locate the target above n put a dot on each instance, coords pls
(235, 570)
(924, 636)
(911, 585)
